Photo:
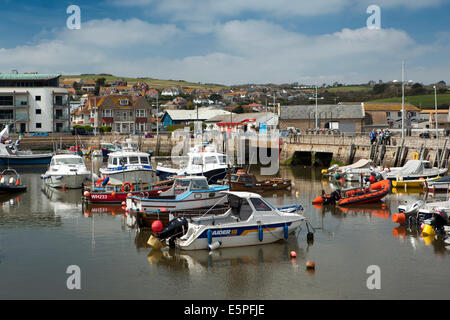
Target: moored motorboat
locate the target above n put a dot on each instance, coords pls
(10, 155)
(360, 195)
(243, 181)
(202, 161)
(66, 171)
(251, 220)
(128, 166)
(438, 185)
(10, 182)
(117, 193)
(414, 173)
(190, 192)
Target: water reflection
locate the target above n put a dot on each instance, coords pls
(413, 237)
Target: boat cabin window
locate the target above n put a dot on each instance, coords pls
(260, 205)
(180, 185)
(133, 160)
(234, 178)
(197, 161)
(199, 185)
(427, 165)
(240, 207)
(115, 161)
(223, 159)
(210, 160)
(144, 160)
(63, 161)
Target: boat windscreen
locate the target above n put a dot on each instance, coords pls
(63, 161)
(260, 205)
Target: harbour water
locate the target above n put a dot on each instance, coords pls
(44, 231)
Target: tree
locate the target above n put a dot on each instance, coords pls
(99, 82)
(379, 88)
(238, 109)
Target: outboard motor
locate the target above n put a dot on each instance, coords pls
(439, 220)
(175, 229)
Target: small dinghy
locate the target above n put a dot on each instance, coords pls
(251, 220)
(10, 182)
(375, 192)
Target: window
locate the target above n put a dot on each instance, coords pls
(399, 114)
(38, 125)
(134, 160)
(115, 161)
(38, 111)
(144, 160)
(197, 161)
(107, 113)
(38, 98)
(198, 184)
(140, 113)
(388, 114)
(59, 100)
(223, 159)
(6, 114)
(210, 160)
(123, 102)
(260, 205)
(6, 100)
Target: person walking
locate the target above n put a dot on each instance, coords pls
(373, 136)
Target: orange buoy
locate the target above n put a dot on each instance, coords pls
(292, 254)
(113, 194)
(310, 264)
(399, 218)
(87, 194)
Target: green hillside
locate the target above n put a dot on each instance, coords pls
(154, 83)
(425, 101)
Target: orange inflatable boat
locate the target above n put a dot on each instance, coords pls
(374, 193)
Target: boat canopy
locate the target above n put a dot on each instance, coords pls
(414, 167)
(360, 164)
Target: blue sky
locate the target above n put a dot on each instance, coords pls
(230, 41)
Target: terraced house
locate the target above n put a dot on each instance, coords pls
(123, 113)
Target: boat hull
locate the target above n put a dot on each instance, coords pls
(25, 160)
(118, 197)
(240, 236)
(130, 175)
(67, 181)
(212, 175)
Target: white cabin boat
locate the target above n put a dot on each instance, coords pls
(202, 161)
(128, 166)
(66, 170)
(186, 193)
(251, 220)
(414, 170)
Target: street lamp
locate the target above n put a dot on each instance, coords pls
(436, 124)
(317, 119)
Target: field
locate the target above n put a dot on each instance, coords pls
(153, 83)
(349, 88)
(425, 101)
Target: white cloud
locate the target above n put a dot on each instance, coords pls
(234, 52)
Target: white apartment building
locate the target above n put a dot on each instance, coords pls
(34, 102)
